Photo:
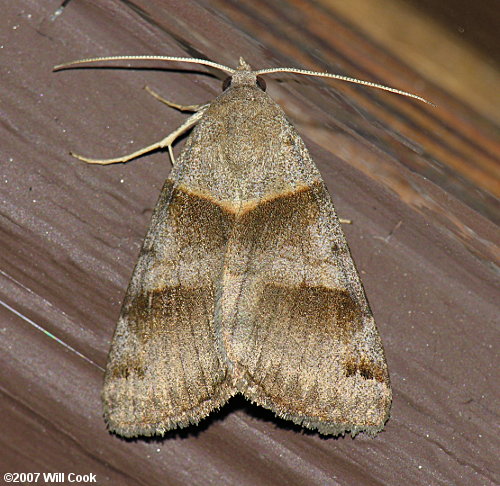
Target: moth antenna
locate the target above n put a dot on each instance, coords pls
(343, 78)
(203, 62)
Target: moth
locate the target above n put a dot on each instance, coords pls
(245, 283)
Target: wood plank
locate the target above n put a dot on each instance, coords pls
(419, 183)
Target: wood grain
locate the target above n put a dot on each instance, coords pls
(419, 182)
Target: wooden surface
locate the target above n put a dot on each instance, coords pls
(419, 183)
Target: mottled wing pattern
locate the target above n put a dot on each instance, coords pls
(303, 340)
(164, 369)
(245, 284)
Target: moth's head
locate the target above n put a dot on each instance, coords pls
(244, 76)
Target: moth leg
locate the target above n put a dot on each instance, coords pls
(166, 142)
(172, 104)
(345, 221)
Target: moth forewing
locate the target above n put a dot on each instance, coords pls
(245, 283)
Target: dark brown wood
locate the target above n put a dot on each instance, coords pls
(419, 183)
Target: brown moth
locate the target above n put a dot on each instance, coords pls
(244, 283)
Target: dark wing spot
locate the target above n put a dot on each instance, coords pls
(126, 369)
(366, 369)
